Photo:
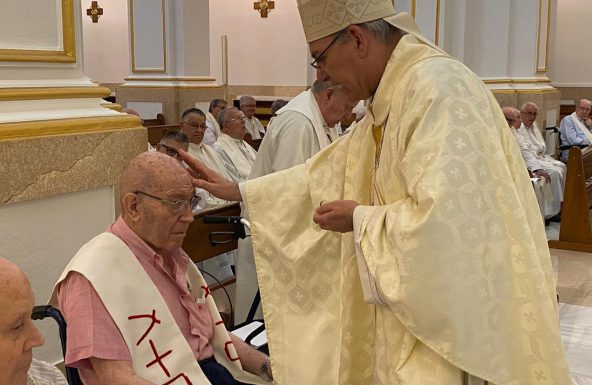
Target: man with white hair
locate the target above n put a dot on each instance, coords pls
(425, 261)
(248, 106)
(575, 128)
(530, 132)
(238, 155)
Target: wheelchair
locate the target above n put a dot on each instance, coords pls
(44, 311)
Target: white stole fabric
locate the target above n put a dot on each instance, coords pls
(134, 302)
(214, 127)
(581, 126)
(254, 127)
(238, 156)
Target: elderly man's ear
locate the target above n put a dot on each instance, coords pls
(129, 207)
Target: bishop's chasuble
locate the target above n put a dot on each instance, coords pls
(451, 270)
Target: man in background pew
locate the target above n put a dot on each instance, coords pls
(248, 106)
(530, 132)
(171, 142)
(575, 128)
(238, 155)
(213, 131)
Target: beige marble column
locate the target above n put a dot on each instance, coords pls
(61, 149)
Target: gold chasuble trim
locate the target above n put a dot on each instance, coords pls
(67, 126)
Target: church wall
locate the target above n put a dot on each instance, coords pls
(106, 43)
(261, 51)
(41, 235)
(570, 54)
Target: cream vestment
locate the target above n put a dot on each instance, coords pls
(237, 155)
(447, 268)
(132, 300)
(254, 127)
(295, 134)
(213, 131)
(556, 169)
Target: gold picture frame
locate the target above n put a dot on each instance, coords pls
(66, 55)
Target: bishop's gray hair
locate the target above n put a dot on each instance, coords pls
(379, 29)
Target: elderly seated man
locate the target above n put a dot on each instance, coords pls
(213, 129)
(18, 334)
(238, 155)
(533, 139)
(248, 106)
(138, 310)
(171, 142)
(575, 128)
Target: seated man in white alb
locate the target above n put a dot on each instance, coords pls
(248, 105)
(171, 142)
(543, 180)
(213, 130)
(192, 123)
(18, 333)
(238, 155)
(533, 138)
(138, 311)
(302, 128)
(575, 128)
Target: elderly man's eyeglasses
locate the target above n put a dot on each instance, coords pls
(318, 62)
(531, 113)
(178, 206)
(196, 125)
(237, 118)
(170, 151)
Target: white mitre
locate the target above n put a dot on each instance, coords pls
(322, 18)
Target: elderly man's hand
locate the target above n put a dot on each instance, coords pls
(544, 174)
(209, 180)
(336, 215)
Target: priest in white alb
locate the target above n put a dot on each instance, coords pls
(410, 251)
(301, 129)
(248, 106)
(213, 131)
(530, 132)
(575, 128)
(238, 155)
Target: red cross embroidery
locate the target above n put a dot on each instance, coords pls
(207, 291)
(182, 375)
(153, 320)
(158, 359)
(227, 351)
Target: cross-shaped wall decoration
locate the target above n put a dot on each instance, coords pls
(264, 6)
(94, 11)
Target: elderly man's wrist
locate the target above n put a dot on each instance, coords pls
(265, 369)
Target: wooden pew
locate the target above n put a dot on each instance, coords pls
(197, 244)
(575, 232)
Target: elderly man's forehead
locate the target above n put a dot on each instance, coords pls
(153, 171)
(12, 279)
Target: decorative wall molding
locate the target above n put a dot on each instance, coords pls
(66, 55)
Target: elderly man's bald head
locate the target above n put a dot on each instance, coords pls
(18, 334)
(11, 276)
(157, 198)
(151, 172)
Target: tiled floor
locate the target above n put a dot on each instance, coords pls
(575, 307)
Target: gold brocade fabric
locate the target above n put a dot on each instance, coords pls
(454, 241)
